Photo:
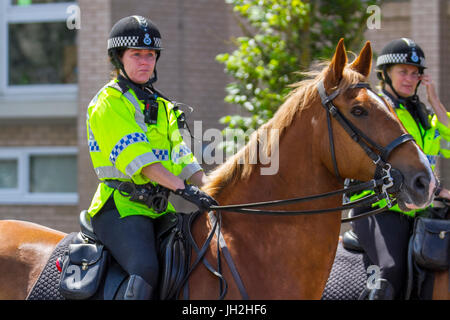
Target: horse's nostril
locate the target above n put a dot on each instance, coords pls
(421, 183)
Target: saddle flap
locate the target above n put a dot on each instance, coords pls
(83, 253)
(174, 251)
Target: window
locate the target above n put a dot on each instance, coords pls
(37, 48)
(40, 175)
(8, 174)
(49, 59)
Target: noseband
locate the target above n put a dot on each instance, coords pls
(380, 159)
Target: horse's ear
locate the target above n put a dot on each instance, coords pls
(363, 63)
(337, 65)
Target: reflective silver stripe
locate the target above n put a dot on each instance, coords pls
(110, 172)
(91, 134)
(189, 170)
(138, 114)
(139, 162)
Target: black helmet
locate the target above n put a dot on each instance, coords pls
(402, 51)
(133, 32)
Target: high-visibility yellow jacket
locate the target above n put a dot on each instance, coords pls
(434, 142)
(121, 144)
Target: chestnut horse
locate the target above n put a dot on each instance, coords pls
(277, 257)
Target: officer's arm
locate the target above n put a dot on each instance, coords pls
(434, 100)
(199, 178)
(156, 172)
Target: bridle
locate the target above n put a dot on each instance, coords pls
(386, 180)
(383, 168)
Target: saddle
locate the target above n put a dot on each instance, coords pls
(88, 271)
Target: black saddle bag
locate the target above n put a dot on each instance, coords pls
(84, 266)
(431, 243)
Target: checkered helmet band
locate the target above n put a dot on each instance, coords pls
(392, 58)
(123, 42)
(402, 51)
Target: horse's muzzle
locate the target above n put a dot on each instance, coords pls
(417, 191)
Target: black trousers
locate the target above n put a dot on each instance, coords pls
(385, 238)
(131, 241)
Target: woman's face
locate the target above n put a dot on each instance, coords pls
(404, 78)
(139, 64)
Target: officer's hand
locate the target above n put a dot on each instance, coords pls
(193, 194)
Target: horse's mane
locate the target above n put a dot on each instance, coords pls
(303, 95)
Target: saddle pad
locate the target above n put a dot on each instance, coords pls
(348, 276)
(47, 285)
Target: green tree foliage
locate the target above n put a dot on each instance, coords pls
(282, 37)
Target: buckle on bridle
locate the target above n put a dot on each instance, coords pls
(388, 182)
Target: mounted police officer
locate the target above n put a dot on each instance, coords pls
(138, 154)
(385, 236)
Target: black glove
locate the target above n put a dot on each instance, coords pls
(193, 194)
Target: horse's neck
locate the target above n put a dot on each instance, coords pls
(260, 242)
(300, 171)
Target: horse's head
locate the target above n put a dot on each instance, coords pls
(376, 126)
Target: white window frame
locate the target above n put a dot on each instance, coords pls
(21, 195)
(9, 13)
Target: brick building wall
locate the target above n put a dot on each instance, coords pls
(94, 72)
(42, 134)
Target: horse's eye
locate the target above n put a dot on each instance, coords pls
(358, 111)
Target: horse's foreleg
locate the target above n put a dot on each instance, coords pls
(441, 289)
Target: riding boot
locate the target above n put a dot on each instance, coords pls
(385, 292)
(138, 289)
